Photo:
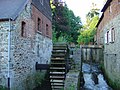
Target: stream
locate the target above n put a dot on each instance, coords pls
(93, 77)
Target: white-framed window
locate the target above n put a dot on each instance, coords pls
(110, 36)
(110, 8)
(106, 38)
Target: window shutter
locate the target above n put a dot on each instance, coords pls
(110, 35)
(105, 37)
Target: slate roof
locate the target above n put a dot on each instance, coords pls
(10, 9)
(106, 5)
(45, 8)
(103, 10)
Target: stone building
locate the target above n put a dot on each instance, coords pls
(108, 35)
(25, 38)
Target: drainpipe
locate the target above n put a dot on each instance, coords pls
(9, 45)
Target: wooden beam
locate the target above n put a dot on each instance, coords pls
(42, 66)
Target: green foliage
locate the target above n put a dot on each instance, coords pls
(39, 77)
(89, 29)
(65, 24)
(28, 83)
(3, 88)
(71, 87)
(35, 79)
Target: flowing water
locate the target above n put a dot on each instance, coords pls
(93, 78)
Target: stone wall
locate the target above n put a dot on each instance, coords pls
(4, 27)
(111, 19)
(72, 81)
(44, 20)
(25, 52)
(112, 11)
(112, 53)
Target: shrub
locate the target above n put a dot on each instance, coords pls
(39, 78)
(3, 88)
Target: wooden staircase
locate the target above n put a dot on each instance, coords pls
(58, 66)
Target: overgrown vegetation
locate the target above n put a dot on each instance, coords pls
(72, 87)
(3, 88)
(36, 79)
(39, 78)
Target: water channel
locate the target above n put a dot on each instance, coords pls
(93, 77)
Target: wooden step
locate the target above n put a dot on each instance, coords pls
(59, 68)
(57, 84)
(56, 81)
(57, 72)
(59, 48)
(57, 58)
(58, 55)
(57, 63)
(57, 87)
(59, 51)
(57, 77)
(59, 44)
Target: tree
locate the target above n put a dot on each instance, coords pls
(89, 29)
(65, 24)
